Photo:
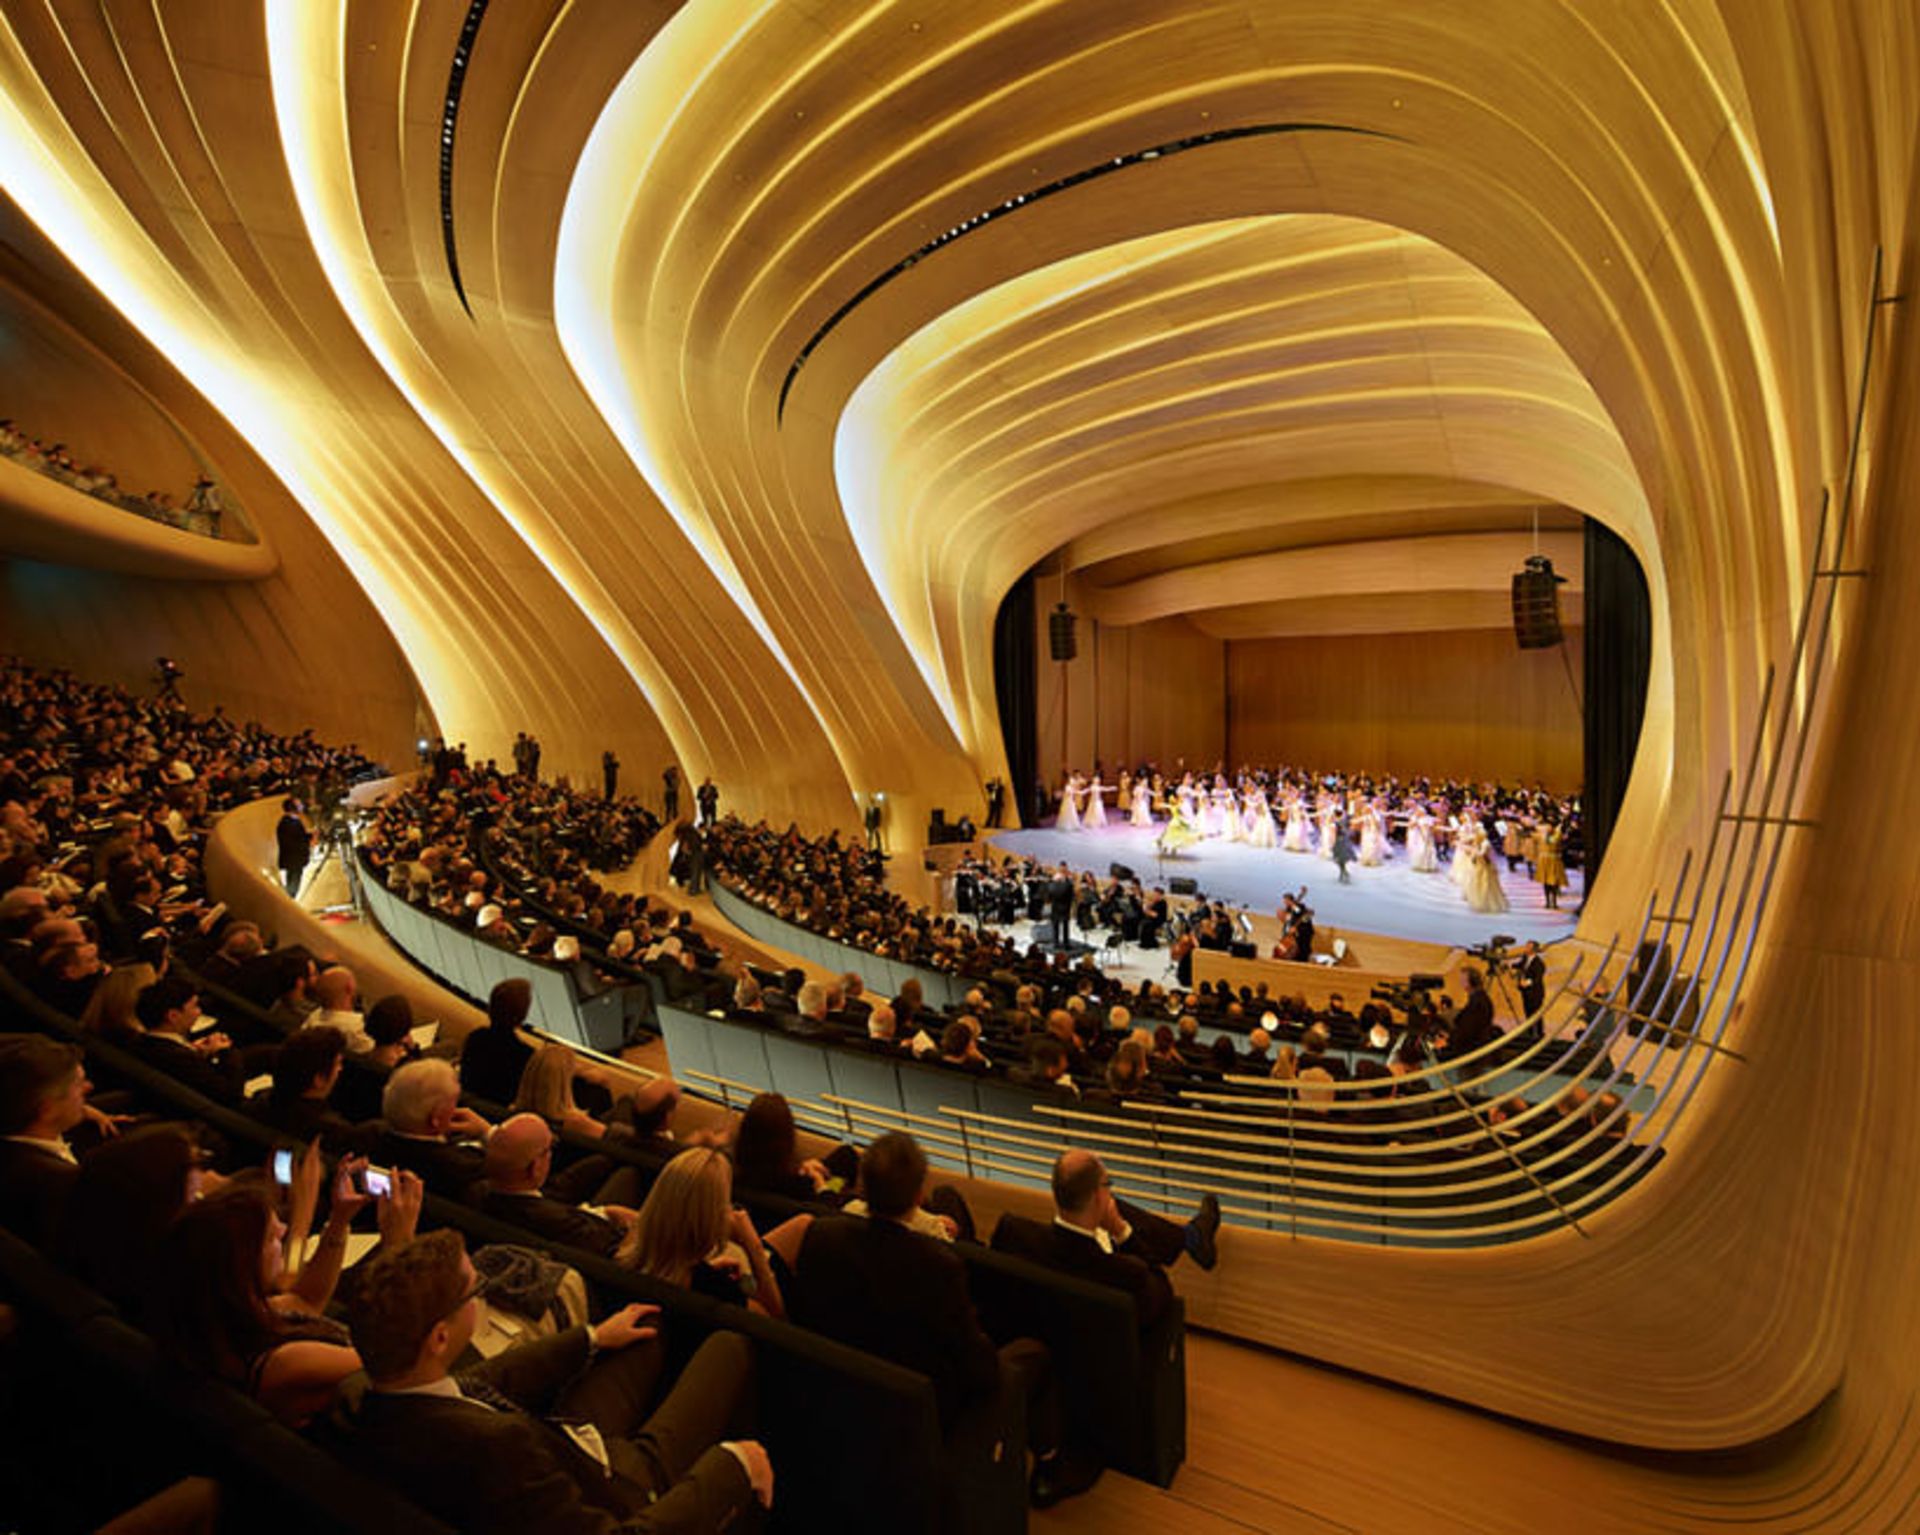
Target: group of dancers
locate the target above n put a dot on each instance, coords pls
(1343, 819)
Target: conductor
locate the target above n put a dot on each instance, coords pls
(1060, 904)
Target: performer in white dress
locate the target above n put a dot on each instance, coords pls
(1329, 818)
(1420, 854)
(1482, 884)
(1227, 812)
(1185, 808)
(1095, 817)
(1373, 836)
(1464, 829)
(1069, 817)
(1258, 819)
(1142, 803)
(1298, 839)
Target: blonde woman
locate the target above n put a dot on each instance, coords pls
(109, 1012)
(689, 1234)
(546, 1089)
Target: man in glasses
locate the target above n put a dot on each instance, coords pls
(553, 1433)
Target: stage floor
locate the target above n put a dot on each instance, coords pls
(1391, 899)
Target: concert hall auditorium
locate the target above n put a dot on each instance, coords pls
(941, 767)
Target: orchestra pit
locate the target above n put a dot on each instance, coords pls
(865, 765)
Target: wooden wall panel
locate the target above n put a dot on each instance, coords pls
(1153, 692)
(1465, 703)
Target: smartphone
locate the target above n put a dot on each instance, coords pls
(283, 1168)
(376, 1181)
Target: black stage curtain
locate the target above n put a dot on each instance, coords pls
(1016, 690)
(1619, 650)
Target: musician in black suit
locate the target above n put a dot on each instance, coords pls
(1060, 893)
(505, 1447)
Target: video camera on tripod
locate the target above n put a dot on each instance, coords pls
(1415, 994)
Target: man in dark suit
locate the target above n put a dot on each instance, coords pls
(1473, 1025)
(295, 842)
(1060, 904)
(43, 1096)
(553, 1434)
(168, 1010)
(1532, 973)
(427, 1127)
(1095, 1236)
(871, 1282)
(519, 1158)
(670, 792)
(707, 797)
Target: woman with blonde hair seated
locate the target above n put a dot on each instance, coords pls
(688, 1233)
(110, 1010)
(546, 1089)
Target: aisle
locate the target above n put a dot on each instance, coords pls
(1391, 899)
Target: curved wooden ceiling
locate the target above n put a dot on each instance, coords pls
(1610, 258)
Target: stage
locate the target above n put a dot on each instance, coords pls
(1391, 899)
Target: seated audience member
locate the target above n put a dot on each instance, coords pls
(390, 1028)
(66, 974)
(168, 1010)
(477, 1451)
(546, 1089)
(112, 1011)
(306, 1072)
(43, 1098)
(493, 1058)
(688, 1233)
(1258, 1059)
(882, 1031)
(223, 1303)
(1129, 1076)
(1096, 1236)
(767, 1160)
(22, 909)
(519, 1162)
(425, 1126)
(880, 1286)
(128, 1192)
(240, 946)
(292, 977)
(1315, 1046)
(960, 1047)
(1046, 1069)
(338, 994)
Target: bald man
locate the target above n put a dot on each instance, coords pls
(338, 994)
(519, 1161)
(1097, 1237)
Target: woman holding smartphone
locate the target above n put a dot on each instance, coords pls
(232, 1297)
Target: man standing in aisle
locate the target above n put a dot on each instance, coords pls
(610, 770)
(670, 782)
(295, 841)
(708, 799)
